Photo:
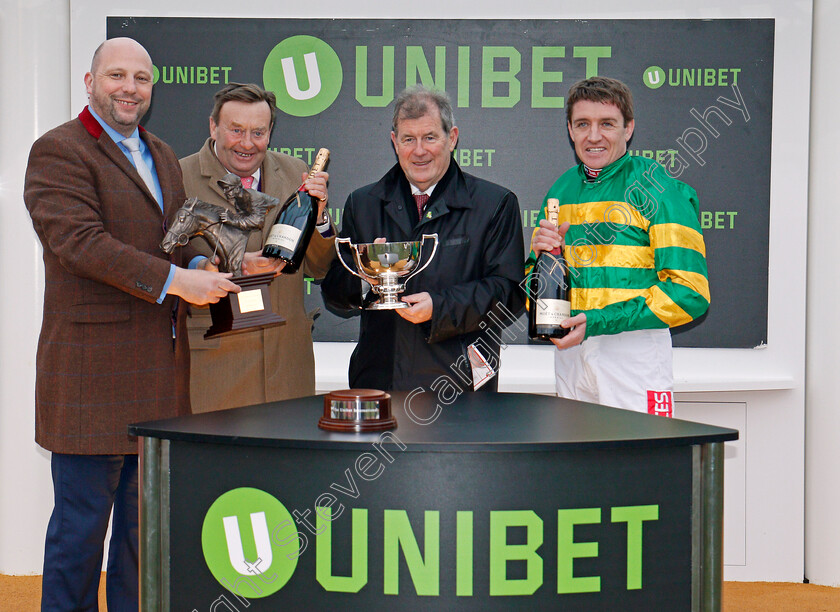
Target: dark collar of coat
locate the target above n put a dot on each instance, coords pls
(93, 127)
(110, 149)
(390, 187)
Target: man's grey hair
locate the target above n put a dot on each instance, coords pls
(413, 103)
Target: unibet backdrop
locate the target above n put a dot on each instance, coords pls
(702, 89)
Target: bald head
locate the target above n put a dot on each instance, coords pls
(119, 45)
(119, 84)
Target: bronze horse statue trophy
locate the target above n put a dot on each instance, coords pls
(226, 232)
(199, 218)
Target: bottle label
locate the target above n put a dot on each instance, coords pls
(284, 236)
(552, 312)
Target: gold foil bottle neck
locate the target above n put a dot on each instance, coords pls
(552, 213)
(320, 161)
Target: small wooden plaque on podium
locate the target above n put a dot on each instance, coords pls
(357, 410)
(247, 310)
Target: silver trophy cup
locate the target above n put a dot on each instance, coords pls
(387, 266)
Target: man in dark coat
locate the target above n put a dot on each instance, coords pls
(113, 345)
(459, 304)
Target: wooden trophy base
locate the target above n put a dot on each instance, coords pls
(248, 310)
(357, 410)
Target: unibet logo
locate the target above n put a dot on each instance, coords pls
(654, 77)
(236, 543)
(305, 74)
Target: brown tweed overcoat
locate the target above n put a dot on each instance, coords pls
(106, 354)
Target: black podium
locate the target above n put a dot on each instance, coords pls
(484, 501)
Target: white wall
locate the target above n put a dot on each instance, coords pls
(34, 97)
(39, 90)
(822, 529)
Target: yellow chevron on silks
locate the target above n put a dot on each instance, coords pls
(674, 234)
(591, 299)
(619, 214)
(693, 280)
(666, 309)
(610, 255)
(662, 306)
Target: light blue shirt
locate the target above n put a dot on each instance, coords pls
(147, 157)
(144, 153)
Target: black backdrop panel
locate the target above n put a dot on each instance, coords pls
(703, 93)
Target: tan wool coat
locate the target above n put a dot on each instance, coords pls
(265, 365)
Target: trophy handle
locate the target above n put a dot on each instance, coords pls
(347, 241)
(429, 260)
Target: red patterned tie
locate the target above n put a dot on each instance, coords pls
(421, 199)
(247, 181)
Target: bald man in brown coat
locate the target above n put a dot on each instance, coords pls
(113, 348)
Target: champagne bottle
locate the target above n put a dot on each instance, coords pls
(289, 236)
(548, 289)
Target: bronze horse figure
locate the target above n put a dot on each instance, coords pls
(199, 218)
